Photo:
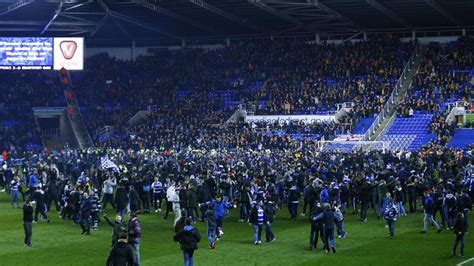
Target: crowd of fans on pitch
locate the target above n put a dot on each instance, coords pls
(257, 167)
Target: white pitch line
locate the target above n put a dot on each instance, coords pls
(464, 262)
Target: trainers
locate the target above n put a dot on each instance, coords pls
(273, 239)
(438, 231)
(218, 239)
(333, 250)
(259, 241)
(213, 245)
(256, 242)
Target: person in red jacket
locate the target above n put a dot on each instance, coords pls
(134, 235)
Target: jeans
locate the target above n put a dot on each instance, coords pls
(269, 236)
(15, 197)
(401, 209)
(427, 220)
(28, 232)
(340, 228)
(257, 232)
(391, 227)
(244, 210)
(136, 253)
(211, 234)
(329, 237)
(459, 239)
(293, 208)
(188, 257)
(363, 213)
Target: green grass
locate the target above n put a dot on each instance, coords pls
(470, 118)
(60, 243)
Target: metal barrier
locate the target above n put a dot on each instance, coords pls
(391, 100)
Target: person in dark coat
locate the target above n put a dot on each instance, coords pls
(40, 208)
(85, 214)
(317, 228)
(188, 238)
(328, 218)
(459, 231)
(121, 200)
(27, 222)
(134, 200)
(118, 227)
(121, 253)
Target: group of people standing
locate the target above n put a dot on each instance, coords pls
(199, 186)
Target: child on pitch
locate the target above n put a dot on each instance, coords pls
(211, 226)
(220, 207)
(390, 215)
(339, 221)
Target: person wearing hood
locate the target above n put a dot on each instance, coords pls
(188, 239)
(121, 253)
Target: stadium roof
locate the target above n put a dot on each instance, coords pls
(177, 20)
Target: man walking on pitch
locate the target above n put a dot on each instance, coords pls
(27, 222)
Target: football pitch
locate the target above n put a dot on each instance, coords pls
(60, 243)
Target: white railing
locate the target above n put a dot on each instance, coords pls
(391, 100)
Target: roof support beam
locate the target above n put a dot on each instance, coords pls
(131, 20)
(120, 26)
(56, 14)
(389, 13)
(275, 12)
(100, 24)
(436, 6)
(334, 13)
(174, 15)
(15, 6)
(220, 12)
(79, 5)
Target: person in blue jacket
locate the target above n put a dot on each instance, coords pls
(428, 205)
(324, 194)
(328, 218)
(220, 207)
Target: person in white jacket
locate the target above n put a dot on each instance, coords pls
(109, 185)
(173, 197)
